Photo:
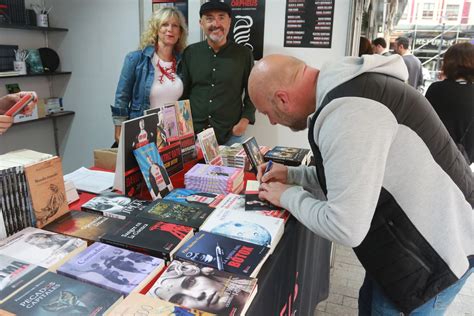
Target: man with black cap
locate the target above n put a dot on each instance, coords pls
(215, 74)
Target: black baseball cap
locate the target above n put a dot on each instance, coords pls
(215, 5)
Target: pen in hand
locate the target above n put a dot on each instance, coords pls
(268, 167)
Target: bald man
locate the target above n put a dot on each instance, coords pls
(397, 189)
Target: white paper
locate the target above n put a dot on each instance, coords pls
(90, 180)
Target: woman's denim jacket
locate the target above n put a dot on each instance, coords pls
(133, 90)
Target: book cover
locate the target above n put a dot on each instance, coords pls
(223, 253)
(33, 61)
(170, 151)
(253, 153)
(287, 155)
(176, 213)
(153, 171)
(115, 205)
(152, 237)
(210, 148)
(112, 268)
(170, 123)
(46, 186)
(185, 130)
(246, 226)
(15, 274)
(42, 248)
(84, 225)
(253, 202)
(139, 304)
(220, 292)
(195, 198)
(53, 294)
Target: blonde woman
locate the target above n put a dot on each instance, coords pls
(148, 78)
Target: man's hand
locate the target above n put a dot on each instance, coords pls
(10, 99)
(278, 172)
(5, 123)
(240, 128)
(272, 192)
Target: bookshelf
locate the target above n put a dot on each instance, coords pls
(55, 73)
(32, 28)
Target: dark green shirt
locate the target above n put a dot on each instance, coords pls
(215, 83)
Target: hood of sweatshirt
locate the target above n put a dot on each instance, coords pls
(336, 73)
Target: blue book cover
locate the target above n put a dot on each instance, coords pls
(195, 198)
(153, 170)
(113, 268)
(54, 294)
(223, 253)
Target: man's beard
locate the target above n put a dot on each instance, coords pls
(214, 37)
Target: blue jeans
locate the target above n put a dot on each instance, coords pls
(373, 302)
(235, 139)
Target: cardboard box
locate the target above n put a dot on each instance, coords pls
(105, 158)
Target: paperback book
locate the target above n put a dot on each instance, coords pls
(215, 179)
(223, 253)
(170, 123)
(84, 225)
(210, 148)
(176, 213)
(253, 202)
(153, 171)
(115, 205)
(42, 248)
(253, 153)
(112, 268)
(15, 274)
(287, 155)
(46, 187)
(54, 294)
(225, 293)
(185, 130)
(246, 226)
(170, 151)
(234, 156)
(139, 304)
(195, 198)
(158, 239)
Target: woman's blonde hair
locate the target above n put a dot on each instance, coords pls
(150, 36)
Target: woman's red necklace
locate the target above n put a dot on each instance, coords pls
(168, 72)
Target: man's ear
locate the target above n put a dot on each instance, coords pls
(282, 98)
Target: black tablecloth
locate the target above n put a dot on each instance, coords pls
(295, 277)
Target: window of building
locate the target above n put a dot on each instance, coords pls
(452, 12)
(428, 9)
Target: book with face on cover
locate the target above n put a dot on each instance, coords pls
(210, 148)
(15, 274)
(185, 130)
(115, 205)
(153, 171)
(246, 226)
(253, 153)
(205, 288)
(289, 156)
(156, 238)
(176, 213)
(46, 186)
(139, 304)
(217, 251)
(42, 248)
(112, 268)
(54, 294)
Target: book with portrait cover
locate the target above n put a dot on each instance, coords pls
(195, 198)
(112, 268)
(237, 202)
(139, 304)
(15, 274)
(46, 187)
(210, 148)
(185, 130)
(220, 292)
(156, 178)
(289, 156)
(84, 225)
(253, 153)
(217, 251)
(135, 133)
(253, 202)
(170, 151)
(54, 294)
(170, 123)
(246, 226)
(115, 205)
(158, 239)
(176, 213)
(40, 247)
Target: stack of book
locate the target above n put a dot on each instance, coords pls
(216, 179)
(234, 156)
